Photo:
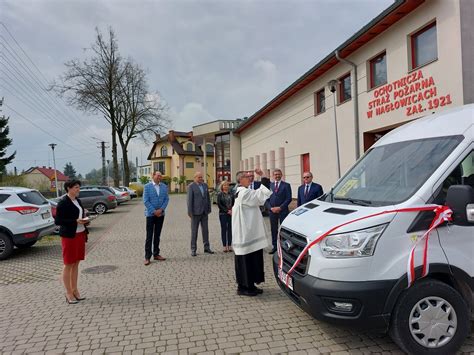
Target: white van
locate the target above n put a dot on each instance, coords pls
(357, 275)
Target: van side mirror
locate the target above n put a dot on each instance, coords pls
(460, 199)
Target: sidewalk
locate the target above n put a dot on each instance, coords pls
(182, 305)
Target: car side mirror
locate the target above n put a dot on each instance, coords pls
(460, 199)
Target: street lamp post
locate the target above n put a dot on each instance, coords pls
(332, 85)
(53, 145)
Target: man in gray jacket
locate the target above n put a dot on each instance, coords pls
(199, 207)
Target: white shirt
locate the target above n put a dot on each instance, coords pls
(248, 228)
(157, 188)
(80, 227)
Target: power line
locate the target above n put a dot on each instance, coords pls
(41, 129)
(31, 61)
(58, 107)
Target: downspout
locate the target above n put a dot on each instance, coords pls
(356, 102)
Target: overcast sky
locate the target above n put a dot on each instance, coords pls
(208, 59)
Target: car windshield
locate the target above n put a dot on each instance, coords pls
(33, 197)
(392, 173)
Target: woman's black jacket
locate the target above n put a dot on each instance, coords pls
(66, 217)
(221, 202)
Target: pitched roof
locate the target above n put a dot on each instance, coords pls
(178, 147)
(49, 173)
(391, 15)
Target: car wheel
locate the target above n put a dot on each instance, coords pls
(6, 246)
(430, 317)
(100, 208)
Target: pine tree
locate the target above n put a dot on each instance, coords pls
(4, 143)
(70, 171)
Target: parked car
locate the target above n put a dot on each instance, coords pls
(122, 196)
(364, 232)
(25, 217)
(97, 200)
(131, 192)
(118, 194)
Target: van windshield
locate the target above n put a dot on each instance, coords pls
(392, 173)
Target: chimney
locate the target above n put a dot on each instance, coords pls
(171, 136)
(157, 136)
(44, 167)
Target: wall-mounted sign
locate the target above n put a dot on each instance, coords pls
(413, 93)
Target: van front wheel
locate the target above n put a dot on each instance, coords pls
(430, 317)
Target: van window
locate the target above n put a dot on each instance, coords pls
(392, 173)
(463, 174)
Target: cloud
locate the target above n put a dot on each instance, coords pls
(190, 115)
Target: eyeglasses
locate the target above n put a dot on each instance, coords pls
(306, 177)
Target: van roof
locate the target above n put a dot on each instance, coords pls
(456, 121)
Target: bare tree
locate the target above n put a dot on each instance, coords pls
(93, 85)
(139, 113)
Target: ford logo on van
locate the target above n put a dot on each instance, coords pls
(288, 245)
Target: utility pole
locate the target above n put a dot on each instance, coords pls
(102, 153)
(108, 175)
(52, 145)
(121, 170)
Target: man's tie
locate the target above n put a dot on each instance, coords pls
(276, 186)
(306, 191)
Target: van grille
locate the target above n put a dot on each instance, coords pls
(297, 243)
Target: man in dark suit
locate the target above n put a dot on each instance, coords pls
(278, 204)
(199, 207)
(309, 190)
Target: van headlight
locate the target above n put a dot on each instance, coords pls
(353, 244)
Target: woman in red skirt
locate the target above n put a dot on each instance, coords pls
(70, 217)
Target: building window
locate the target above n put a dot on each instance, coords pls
(189, 165)
(378, 70)
(320, 102)
(424, 46)
(160, 166)
(209, 148)
(189, 147)
(164, 151)
(345, 88)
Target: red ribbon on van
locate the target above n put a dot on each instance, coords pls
(442, 214)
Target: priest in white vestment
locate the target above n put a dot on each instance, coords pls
(248, 233)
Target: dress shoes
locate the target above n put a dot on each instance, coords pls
(159, 258)
(193, 253)
(209, 251)
(258, 290)
(146, 262)
(273, 251)
(245, 292)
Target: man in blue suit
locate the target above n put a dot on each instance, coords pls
(254, 185)
(155, 198)
(309, 190)
(277, 204)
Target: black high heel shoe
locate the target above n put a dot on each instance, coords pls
(71, 301)
(79, 298)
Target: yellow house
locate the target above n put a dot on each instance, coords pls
(180, 154)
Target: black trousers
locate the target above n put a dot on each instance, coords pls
(226, 229)
(249, 270)
(275, 220)
(153, 232)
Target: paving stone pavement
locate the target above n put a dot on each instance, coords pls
(184, 305)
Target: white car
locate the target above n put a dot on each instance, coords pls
(131, 192)
(25, 217)
(122, 196)
(367, 243)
